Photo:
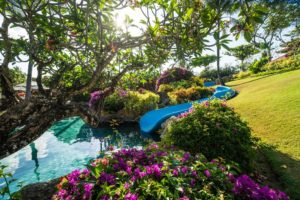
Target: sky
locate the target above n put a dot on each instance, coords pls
(136, 15)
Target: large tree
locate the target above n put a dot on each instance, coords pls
(77, 45)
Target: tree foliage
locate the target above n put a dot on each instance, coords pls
(279, 16)
(243, 52)
(17, 75)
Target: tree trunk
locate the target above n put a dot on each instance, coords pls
(218, 53)
(28, 80)
(7, 89)
(269, 54)
(5, 80)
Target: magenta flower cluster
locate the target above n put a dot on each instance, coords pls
(95, 97)
(159, 173)
(185, 114)
(246, 188)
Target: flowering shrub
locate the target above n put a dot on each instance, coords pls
(213, 129)
(246, 188)
(174, 74)
(156, 173)
(190, 94)
(288, 63)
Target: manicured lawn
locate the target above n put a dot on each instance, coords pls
(271, 106)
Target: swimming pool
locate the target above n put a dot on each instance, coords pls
(69, 144)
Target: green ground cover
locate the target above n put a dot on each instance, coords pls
(271, 106)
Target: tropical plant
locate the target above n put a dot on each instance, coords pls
(213, 129)
(8, 179)
(160, 173)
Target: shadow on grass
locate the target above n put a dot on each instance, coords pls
(282, 171)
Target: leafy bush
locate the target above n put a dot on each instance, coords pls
(257, 65)
(192, 82)
(159, 173)
(213, 129)
(115, 102)
(173, 74)
(286, 63)
(212, 75)
(145, 78)
(165, 88)
(139, 102)
(134, 103)
(190, 94)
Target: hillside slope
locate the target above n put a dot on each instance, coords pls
(271, 106)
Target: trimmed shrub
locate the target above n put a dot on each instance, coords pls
(159, 173)
(213, 129)
(190, 94)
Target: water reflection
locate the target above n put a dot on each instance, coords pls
(34, 157)
(69, 144)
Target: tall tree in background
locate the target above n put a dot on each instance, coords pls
(280, 16)
(225, 12)
(242, 53)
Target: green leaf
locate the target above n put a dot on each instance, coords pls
(257, 19)
(216, 35)
(224, 36)
(225, 47)
(188, 14)
(237, 36)
(247, 36)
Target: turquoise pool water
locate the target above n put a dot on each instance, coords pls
(69, 144)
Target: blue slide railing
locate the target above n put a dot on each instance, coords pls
(152, 120)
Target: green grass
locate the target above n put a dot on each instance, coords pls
(271, 106)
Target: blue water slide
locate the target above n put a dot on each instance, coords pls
(152, 120)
